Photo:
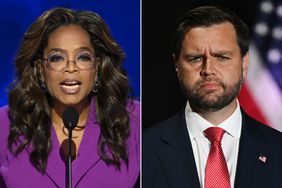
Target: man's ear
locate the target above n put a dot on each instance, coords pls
(245, 65)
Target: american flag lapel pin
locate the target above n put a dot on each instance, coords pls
(262, 158)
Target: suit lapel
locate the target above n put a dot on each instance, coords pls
(88, 152)
(250, 149)
(178, 163)
(177, 159)
(56, 175)
(87, 157)
(55, 169)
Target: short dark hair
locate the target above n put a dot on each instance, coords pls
(207, 16)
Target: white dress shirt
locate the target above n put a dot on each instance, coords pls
(201, 145)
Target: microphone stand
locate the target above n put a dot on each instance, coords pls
(69, 157)
(70, 119)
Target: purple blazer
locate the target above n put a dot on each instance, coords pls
(88, 169)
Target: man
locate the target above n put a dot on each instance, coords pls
(211, 60)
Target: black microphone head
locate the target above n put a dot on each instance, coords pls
(70, 117)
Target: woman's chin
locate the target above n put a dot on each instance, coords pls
(72, 101)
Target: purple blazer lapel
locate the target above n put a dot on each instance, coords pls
(56, 170)
(87, 154)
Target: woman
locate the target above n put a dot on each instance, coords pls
(69, 58)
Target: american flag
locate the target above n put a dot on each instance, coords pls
(261, 94)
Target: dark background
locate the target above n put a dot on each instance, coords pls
(161, 94)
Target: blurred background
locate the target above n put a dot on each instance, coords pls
(122, 17)
(261, 94)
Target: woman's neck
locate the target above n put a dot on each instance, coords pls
(58, 109)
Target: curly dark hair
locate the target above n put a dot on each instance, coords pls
(29, 106)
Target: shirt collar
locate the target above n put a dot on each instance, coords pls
(196, 124)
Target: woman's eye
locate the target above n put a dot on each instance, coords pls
(84, 57)
(56, 58)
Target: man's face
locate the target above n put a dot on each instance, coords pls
(210, 67)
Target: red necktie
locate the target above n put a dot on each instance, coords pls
(216, 173)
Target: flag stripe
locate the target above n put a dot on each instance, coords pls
(264, 90)
(250, 106)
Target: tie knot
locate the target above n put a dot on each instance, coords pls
(214, 133)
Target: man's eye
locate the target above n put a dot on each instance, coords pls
(223, 58)
(195, 59)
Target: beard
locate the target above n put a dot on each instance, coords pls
(208, 100)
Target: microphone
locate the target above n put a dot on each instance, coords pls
(70, 119)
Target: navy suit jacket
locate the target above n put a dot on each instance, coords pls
(168, 160)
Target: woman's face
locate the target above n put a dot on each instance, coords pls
(71, 85)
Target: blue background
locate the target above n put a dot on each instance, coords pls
(122, 17)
